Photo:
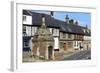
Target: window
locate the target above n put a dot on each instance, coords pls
(64, 35)
(76, 43)
(75, 36)
(24, 18)
(24, 30)
(69, 44)
(69, 35)
(26, 44)
(55, 32)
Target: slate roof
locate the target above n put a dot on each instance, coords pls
(49, 21)
(55, 23)
(26, 12)
(71, 29)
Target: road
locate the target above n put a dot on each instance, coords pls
(82, 55)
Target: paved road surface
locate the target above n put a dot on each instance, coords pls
(82, 55)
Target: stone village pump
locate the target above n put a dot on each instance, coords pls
(44, 44)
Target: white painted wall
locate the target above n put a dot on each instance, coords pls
(56, 43)
(28, 20)
(50, 29)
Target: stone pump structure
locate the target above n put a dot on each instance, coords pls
(43, 42)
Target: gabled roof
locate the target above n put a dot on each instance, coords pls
(55, 23)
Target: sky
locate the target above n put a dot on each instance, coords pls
(83, 18)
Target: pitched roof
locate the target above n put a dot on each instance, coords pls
(55, 23)
(49, 21)
(26, 12)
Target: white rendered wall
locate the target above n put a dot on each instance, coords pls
(56, 43)
(28, 20)
(50, 30)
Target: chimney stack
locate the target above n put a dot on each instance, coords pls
(43, 19)
(76, 22)
(52, 13)
(86, 26)
(71, 21)
(67, 19)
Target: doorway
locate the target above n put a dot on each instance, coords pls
(50, 52)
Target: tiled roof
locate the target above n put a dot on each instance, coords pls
(55, 23)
